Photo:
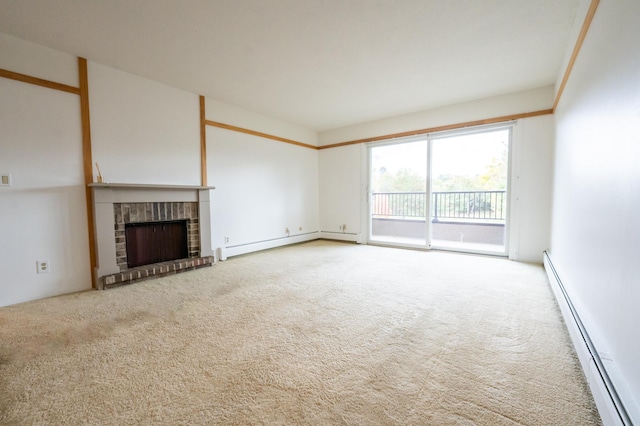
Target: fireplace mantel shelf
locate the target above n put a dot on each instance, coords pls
(146, 186)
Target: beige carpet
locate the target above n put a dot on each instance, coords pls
(319, 333)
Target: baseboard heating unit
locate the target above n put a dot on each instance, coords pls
(610, 406)
(236, 250)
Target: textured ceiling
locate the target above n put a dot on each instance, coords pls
(321, 64)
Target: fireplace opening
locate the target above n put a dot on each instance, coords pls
(155, 242)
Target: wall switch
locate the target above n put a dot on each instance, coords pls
(43, 266)
(5, 179)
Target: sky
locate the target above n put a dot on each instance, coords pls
(460, 155)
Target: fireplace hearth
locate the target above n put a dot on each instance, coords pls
(145, 231)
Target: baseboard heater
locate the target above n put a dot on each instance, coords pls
(239, 249)
(341, 236)
(610, 406)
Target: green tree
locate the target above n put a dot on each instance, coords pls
(404, 180)
(494, 178)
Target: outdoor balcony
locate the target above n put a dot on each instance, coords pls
(459, 219)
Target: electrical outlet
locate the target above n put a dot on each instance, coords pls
(226, 239)
(43, 266)
(5, 179)
(344, 227)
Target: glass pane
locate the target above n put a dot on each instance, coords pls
(469, 192)
(399, 191)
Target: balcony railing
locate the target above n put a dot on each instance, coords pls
(477, 205)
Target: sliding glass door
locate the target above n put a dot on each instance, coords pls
(469, 183)
(398, 202)
(448, 191)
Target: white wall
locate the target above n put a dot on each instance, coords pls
(342, 188)
(43, 213)
(498, 106)
(37, 61)
(143, 131)
(262, 188)
(343, 170)
(531, 179)
(595, 227)
(239, 117)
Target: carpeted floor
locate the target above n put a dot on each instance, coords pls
(319, 333)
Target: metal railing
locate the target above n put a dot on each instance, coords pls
(480, 205)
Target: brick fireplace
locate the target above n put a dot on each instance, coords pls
(156, 212)
(118, 206)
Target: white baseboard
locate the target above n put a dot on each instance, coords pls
(265, 245)
(341, 236)
(606, 396)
